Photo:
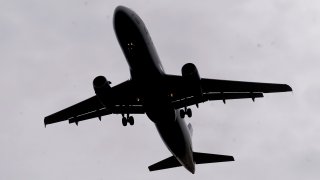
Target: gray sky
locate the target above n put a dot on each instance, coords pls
(50, 52)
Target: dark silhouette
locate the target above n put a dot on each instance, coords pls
(164, 98)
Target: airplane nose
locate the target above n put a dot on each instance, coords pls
(121, 11)
(121, 18)
(120, 8)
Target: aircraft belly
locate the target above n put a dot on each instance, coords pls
(176, 137)
(159, 111)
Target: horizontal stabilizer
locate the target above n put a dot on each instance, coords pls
(170, 162)
(199, 158)
(204, 158)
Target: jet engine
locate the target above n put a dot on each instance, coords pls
(102, 89)
(192, 79)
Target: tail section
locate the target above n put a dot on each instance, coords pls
(204, 158)
(170, 162)
(198, 158)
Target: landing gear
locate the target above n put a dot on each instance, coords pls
(126, 120)
(182, 113)
(131, 120)
(186, 111)
(189, 113)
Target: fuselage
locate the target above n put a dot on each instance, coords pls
(146, 70)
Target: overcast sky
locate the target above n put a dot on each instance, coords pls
(50, 51)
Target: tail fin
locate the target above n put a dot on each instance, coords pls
(198, 158)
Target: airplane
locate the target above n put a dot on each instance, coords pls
(164, 98)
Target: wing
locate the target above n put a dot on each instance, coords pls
(216, 85)
(124, 97)
(215, 89)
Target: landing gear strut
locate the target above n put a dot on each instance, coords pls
(126, 120)
(186, 111)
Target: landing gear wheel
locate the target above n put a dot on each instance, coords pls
(182, 113)
(124, 121)
(189, 113)
(131, 120)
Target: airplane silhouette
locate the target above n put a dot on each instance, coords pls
(162, 97)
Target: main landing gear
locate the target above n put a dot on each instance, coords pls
(186, 111)
(126, 120)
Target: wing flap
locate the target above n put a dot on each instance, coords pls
(90, 115)
(214, 96)
(88, 105)
(224, 96)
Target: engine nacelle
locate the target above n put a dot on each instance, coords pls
(102, 89)
(192, 79)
